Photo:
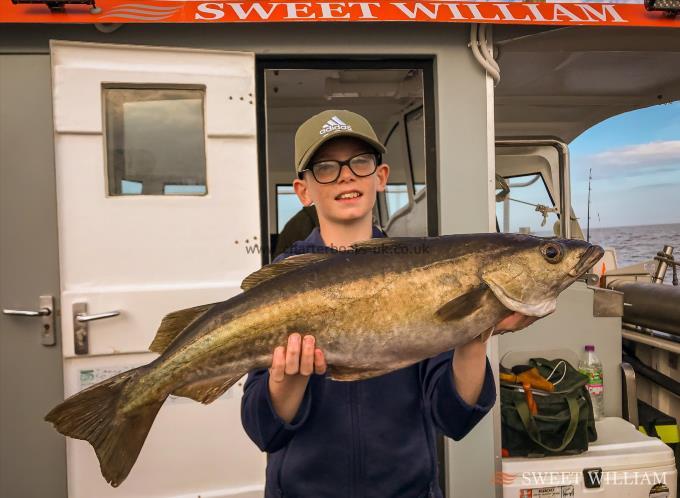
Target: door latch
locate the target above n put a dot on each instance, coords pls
(81, 319)
(46, 312)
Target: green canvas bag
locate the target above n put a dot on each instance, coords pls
(564, 424)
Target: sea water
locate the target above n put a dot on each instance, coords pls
(635, 244)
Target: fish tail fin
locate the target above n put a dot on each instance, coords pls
(94, 415)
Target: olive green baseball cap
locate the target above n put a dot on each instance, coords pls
(328, 125)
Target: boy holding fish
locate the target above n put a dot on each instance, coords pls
(372, 437)
(386, 315)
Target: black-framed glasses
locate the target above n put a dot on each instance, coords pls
(363, 164)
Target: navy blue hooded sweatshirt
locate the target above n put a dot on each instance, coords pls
(372, 438)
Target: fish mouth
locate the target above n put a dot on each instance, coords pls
(591, 256)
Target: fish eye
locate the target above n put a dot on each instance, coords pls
(552, 252)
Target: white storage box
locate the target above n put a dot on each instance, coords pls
(622, 463)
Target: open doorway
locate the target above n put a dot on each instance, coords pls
(396, 96)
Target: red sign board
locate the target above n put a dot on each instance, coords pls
(199, 11)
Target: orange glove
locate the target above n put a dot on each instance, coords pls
(530, 377)
(531, 402)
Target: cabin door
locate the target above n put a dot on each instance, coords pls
(32, 455)
(157, 192)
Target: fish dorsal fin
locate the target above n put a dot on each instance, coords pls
(208, 390)
(373, 244)
(284, 266)
(463, 305)
(174, 323)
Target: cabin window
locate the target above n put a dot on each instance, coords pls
(155, 140)
(528, 207)
(396, 196)
(287, 205)
(398, 157)
(405, 144)
(130, 187)
(415, 133)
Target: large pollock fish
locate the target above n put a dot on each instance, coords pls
(388, 303)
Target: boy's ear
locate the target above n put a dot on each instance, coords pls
(382, 174)
(302, 191)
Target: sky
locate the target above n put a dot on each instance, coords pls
(635, 161)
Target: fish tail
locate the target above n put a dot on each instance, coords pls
(94, 415)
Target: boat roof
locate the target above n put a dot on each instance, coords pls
(561, 81)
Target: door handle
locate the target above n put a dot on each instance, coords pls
(81, 330)
(81, 317)
(46, 311)
(40, 312)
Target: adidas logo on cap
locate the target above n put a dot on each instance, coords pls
(334, 124)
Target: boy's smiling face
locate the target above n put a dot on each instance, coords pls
(350, 197)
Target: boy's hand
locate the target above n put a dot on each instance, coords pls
(300, 357)
(514, 322)
(288, 376)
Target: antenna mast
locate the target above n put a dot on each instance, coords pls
(590, 177)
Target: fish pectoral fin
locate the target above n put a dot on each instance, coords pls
(208, 390)
(344, 374)
(284, 266)
(464, 304)
(174, 323)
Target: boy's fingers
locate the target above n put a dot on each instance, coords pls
(319, 362)
(307, 357)
(293, 354)
(276, 372)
